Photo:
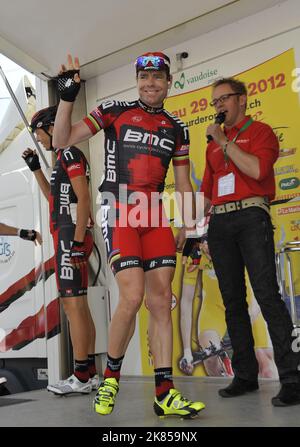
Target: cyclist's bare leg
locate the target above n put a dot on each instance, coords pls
(186, 321)
(75, 310)
(159, 297)
(131, 284)
(91, 329)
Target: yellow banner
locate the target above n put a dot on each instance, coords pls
(201, 345)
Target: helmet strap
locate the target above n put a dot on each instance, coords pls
(49, 134)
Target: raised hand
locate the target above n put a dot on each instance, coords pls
(69, 80)
(32, 159)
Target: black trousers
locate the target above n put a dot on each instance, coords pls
(242, 239)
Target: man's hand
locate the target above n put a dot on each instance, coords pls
(69, 80)
(78, 255)
(31, 158)
(38, 240)
(215, 130)
(31, 235)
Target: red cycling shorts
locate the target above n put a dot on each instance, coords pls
(137, 238)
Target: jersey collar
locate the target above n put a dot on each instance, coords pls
(148, 108)
(237, 126)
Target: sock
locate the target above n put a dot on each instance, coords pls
(163, 382)
(113, 367)
(92, 365)
(81, 370)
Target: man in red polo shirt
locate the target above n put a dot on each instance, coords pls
(239, 184)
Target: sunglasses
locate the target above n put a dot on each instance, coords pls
(222, 99)
(151, 62)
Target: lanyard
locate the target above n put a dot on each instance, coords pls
(245, 126)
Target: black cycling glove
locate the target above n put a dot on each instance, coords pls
(78, 253)
(192, 249)
(32, 161)
(28, 235)
(68, 89)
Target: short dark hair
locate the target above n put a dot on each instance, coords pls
(236, 85)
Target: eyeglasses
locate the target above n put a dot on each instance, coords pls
(222, 99)
(151, 62)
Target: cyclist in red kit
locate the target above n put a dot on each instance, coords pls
(140, 142)
(69, 206)
(141, 138)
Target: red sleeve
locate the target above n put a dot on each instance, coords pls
(266, 149)
(103, 115)
(74, 162)
(207, 182)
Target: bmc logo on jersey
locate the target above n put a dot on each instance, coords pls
(134, 136)
(64, 198)
(108, 104)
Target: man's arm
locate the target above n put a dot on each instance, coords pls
(81, 190)
(65, 134)
(206, 187)
(78, 253)
(29, 235)
(32, 160)
(187, 206)
(7, 230)
(247, 163)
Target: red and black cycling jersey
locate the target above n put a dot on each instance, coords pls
(70, 163)
(140, 142)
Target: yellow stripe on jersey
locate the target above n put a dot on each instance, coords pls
(94, 122)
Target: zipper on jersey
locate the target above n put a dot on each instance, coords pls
(149, 156)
